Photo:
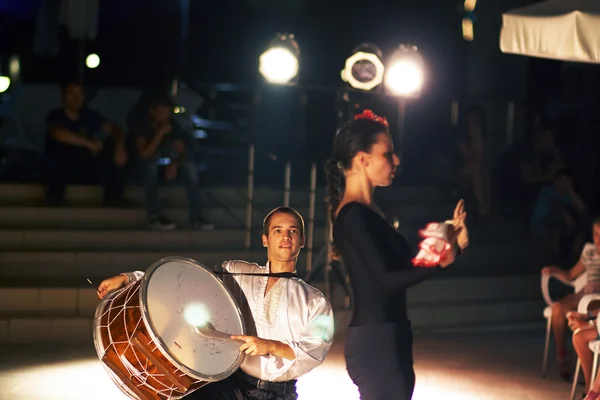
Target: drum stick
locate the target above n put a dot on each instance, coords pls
(208, 331)
(88, 279)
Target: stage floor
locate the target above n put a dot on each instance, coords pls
(501, 365)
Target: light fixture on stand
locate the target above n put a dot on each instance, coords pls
(280, 63)
(364, 69)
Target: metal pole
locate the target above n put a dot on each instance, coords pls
(81, 60)
(401, 125)
(510, 123)
(327, 272)
(311, 217)
(250, 197)
(286, 184)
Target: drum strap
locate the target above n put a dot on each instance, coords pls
(287, 275)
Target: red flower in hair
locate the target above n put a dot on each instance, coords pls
(368, 114)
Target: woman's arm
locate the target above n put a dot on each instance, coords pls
(358, 238)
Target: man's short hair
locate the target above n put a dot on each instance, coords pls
(596, 221)
(74, 82)
(160, 100)
(284, 210)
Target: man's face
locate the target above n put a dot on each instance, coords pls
(562, 184)
(284, 240)
(161, 114)
(596, 235)
(73, 97)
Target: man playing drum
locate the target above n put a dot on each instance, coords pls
(293, 321)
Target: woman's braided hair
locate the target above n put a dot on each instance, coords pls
(357, 135)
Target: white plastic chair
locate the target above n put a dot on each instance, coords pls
(577, 284)
(594, 345)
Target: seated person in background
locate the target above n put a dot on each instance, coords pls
(82, 146)
(559, 212)
(584, 331)
(158, 137)
(590, 262)
(539, 163)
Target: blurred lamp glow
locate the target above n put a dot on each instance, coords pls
(279, 64)
(467, 29)
(4, 83)
(92, 61)
(14, 67)
(405, 75)
(196, 314)
(364, 70)
(470, 5)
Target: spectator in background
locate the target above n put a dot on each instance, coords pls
(560, 212)
(476, 171)
(157, 137)
(541, 162)
(82, 146)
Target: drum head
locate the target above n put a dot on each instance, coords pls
(175, 294)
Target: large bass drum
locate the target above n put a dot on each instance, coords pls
(145, 334)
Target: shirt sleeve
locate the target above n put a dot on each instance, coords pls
(133, 276)
(96, 120)
(312, 346)
(587, 254)
(382, 259)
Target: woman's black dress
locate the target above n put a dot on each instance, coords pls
(378, 347)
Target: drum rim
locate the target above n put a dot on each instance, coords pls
(161, 345)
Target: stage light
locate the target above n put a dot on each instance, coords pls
(92, 61)
(4, 83)
(364, 69)
(14, 67)
(467, 29)
(405, 76)
(470, 5)
(279, 64)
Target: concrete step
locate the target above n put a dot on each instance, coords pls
(490, 260)
(232, 195)
(55, 264)
(63, 330)
(437, 304)
(127, 218)
(129, 240)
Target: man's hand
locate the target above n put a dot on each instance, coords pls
(95, 146)
(255, 346)
(120, 155)
(170, 172)
(110, 284)
(165, 129)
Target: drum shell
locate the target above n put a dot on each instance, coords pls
(118, 324)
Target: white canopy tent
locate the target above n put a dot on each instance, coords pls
(567, 30)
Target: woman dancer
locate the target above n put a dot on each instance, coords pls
(378, 348)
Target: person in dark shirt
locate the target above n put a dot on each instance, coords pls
(378, 347)
(158, 137)
(82, 146)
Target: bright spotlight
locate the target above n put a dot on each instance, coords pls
(279, 64)
(467, 29)
(404, 76)
(364, 69)
(4, 83)
(470, 5)
(92, 61)
(14, 67)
